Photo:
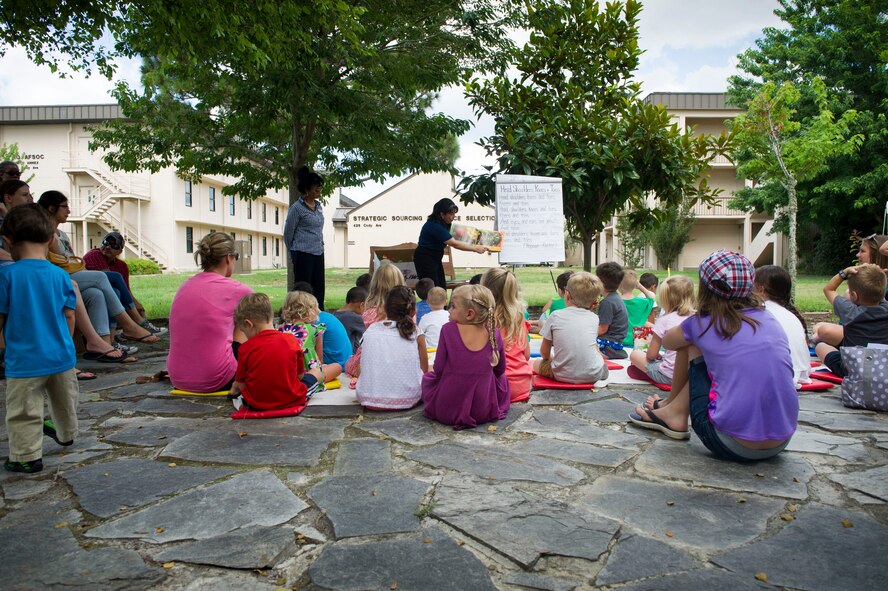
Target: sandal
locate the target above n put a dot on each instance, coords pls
(655, 423)
(105, 358)
(148, 338)
(84, 375)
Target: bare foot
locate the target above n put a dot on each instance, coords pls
(113, 354)
(654, 401)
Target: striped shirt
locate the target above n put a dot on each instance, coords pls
(304, 228)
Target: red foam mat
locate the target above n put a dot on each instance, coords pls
(636, 374)
(243, 413)
(815, 386)
(541, 383)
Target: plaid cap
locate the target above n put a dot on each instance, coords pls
(727, 274)
(113, 239)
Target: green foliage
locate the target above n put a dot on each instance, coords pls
(775, 148)
(268, 87)
(842, 42)
(11, 152)
(669, 237)
(573, 111)
(142, 267)
(633, 241)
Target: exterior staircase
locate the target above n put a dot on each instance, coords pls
(112, 188)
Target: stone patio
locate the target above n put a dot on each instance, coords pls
(168, 493)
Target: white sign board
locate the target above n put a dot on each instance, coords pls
(529, 210)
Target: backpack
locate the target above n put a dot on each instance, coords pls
(866, 380)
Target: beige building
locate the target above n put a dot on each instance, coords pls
(717, 226)
(160, 215)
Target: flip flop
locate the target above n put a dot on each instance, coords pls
(82, 376)
(104, 358)
(655, 423)
(142, 339)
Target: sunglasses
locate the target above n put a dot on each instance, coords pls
(234, 255)
(13, 172)
(871, 236)
(112, 244)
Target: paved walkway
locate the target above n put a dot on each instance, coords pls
(164, 492)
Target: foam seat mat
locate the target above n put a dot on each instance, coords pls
(543, 383)
(243, 413)
(177, 392)
(816, 385)
(826, 376)
(636, 374)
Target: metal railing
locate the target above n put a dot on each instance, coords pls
(137, 184)
(130, 232)
(719, 208)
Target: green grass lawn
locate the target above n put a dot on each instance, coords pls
(157, 291)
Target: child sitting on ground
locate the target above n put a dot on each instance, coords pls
(270, 365)
(554, 304)
(738, 393)
(651, 282)
(676, 296)
(386, 277)
(300, 315)
(393, 357)
(468, 385)
(571, 331)
(638, 308)
(37, 302)
(508, 317)
(423, 286)
(613, 320)
(350, 315)
(431, 323)
(336, 342)
(363, 281)
(773, 286)
(864, 313)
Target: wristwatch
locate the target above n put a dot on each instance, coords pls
(843, 275)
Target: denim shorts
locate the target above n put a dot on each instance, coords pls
(654, 373)
(699, 385)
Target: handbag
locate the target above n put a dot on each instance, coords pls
(71, 264)
(866, 380)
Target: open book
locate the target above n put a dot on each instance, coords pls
(492, 239)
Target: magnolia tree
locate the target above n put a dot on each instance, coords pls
(571, 109)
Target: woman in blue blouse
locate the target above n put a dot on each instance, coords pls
(304, 233)
(433, 238)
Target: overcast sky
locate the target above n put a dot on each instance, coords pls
(690, 46)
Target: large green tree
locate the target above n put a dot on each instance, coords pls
(344, 87)
(573, 111)
(843, 42)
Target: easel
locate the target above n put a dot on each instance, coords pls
(549, 265)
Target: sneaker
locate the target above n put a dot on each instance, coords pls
(26, 467)
(125, 349)
(612, 353)
(150, 327)
(50, 431)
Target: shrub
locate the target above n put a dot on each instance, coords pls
(142, 267)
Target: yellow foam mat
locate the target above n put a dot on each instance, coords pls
(535, 336)
(187, 393)
(333, 384)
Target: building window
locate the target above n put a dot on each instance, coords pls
(212, 198)
(264, 246)
(231, 205)
(249, 209)
(277, 247)
(233, 236)
(189, 239)
(263, 212)
(277, 216)
(187, 193)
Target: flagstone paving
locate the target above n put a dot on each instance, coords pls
(169, 493)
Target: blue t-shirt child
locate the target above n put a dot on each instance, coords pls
(33, 294)
(337, 346)
(422, 308)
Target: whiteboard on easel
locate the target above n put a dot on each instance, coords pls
(530, 211)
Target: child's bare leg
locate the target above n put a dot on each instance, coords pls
(824, 349)
(639, 360)
(677, 412)
(679, 379)
(94, 342)
(331, 371)
(829, 333)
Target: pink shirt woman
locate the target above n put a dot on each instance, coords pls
(202, 357)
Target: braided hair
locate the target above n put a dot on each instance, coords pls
(777, 285)
(400, 305)
(480, 299)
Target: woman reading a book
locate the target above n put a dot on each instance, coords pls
(433, 238)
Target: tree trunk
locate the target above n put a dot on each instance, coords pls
(587, 253)
(293, 196)
(792, 213)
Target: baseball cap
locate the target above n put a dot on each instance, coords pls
(727, 274)
(113, 239)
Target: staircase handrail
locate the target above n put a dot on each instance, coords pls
(132, 233)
